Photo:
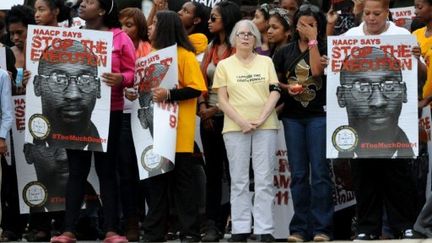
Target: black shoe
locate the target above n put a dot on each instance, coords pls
(238, 238)
(211, 235)
(172, 236)
(189, 239)
(37, 236)
(151, 239)
(7, 236)
(364, 236)
(267, 238)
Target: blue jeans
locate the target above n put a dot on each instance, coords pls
(312, 195)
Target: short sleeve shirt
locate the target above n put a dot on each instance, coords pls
(248, 88)
(311, 102)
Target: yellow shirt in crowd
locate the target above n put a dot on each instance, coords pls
(189, 74)
(426, 51)
(248, 89)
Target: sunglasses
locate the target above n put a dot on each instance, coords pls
(214, 18)
(308, 6)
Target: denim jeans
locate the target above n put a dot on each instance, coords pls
(311, 194)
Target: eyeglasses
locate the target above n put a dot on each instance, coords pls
(283, 13)
(59, 82)
(363, 90)
(214, 18)
(308, 6)
(244, 35)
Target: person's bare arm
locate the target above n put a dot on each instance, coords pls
(157, 6)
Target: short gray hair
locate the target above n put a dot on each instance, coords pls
(252, 28)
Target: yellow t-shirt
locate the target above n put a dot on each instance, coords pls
(426, 51)
(190, 75)
(248, 88)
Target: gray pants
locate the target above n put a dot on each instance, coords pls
(261, 144)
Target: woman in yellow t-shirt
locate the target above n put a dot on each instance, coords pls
(167, 30)
(248, 90)
(423, 10)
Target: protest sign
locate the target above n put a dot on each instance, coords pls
(343, 194)
(7, 4)
(43, 171)
(426, 138)
(284, 210)
(68, 105)
(154, 125)
(403, 17)
(372, 97)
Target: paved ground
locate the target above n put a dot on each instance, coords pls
(375, 241)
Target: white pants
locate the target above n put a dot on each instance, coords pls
(262, 144)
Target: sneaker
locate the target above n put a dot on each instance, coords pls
(239, 238)
(412, 234)
(364, 236)
(296, 238)
(408, 234)
(267, 238)
(320, 237)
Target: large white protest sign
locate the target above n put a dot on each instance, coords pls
(372, 97)
(154, 125)
(67, 103)
(43, 171)
(7, 4)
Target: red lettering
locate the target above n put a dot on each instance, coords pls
(173, 121)
(19, 114)
(282, 198)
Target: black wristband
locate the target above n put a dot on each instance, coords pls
(275, 87)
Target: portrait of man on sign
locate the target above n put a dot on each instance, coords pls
(68, 85)
(373, 92)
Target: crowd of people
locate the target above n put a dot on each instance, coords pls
(244, 77)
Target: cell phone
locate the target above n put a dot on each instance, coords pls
(19, 77)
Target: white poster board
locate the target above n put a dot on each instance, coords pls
(68, 105)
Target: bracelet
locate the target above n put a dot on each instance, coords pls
(312, 43)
